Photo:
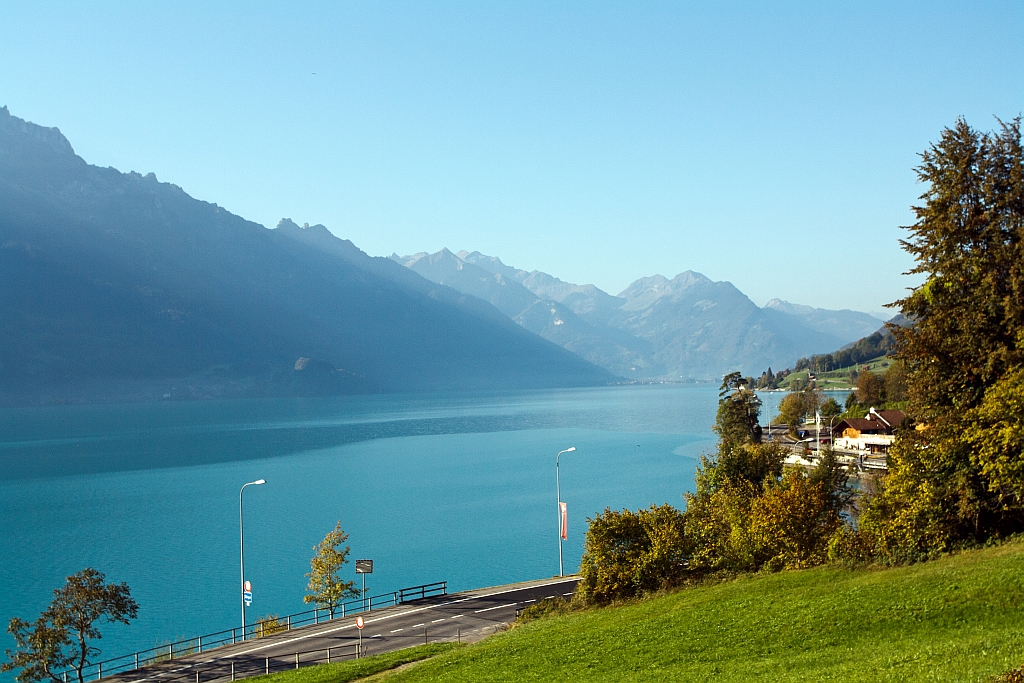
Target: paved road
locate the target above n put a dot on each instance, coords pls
(467, 616)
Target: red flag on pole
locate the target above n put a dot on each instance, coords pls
(565, 520)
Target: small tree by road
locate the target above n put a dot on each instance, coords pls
(792, 411)
(870, 389)
(61, 637)
(327, 590)
(830, 408)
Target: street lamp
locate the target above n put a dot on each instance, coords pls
(241, 545)
(558, 491)
(831, 435)
(817, 432)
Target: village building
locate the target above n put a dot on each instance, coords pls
(872, 434)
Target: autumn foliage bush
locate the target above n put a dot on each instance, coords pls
(627, 553)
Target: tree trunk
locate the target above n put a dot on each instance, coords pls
(84, 651)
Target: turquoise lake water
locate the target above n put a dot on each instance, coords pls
(455, 488)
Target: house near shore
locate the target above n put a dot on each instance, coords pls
(872, 434)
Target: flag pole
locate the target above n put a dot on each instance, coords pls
(558, 492)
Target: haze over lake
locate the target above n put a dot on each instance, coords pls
(456, 488)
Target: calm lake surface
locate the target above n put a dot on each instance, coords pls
(457, 488)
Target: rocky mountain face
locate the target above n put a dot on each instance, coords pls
(688, 327)
(115, 286)
(622, 354)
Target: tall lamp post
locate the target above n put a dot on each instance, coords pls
(817, 432)
(831, 436)
(241, 545)
(558, 491)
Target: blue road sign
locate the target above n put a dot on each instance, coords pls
(247, 596)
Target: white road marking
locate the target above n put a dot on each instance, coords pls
(564, 594)
(488, 609)
(435, 621)
(396, 630)
(325, 632)
(414, 626)
(534, 600)
(458, 616)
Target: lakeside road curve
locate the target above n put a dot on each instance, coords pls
(467, 616)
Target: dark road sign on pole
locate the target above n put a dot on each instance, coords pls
(364, 567)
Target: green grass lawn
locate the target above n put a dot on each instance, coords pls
(955, 619)
(354, 669)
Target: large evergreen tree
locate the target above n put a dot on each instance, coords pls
(957, 479)
(739, 410)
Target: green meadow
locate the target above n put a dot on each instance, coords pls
(960, 618)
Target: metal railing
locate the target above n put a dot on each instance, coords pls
(259, 629)
(425, 591)
(235, 668)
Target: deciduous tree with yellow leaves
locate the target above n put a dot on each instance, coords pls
(326, 588)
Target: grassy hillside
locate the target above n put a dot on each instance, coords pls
(838, 379)
(957, 619)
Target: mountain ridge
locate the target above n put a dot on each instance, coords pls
(116, 286)
(659, 328)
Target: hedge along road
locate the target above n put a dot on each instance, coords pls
(467, 616)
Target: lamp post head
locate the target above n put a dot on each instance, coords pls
(570, 449)
(260, 481)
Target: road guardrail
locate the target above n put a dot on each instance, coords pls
(259, 629)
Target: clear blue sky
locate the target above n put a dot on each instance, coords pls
(770, 144)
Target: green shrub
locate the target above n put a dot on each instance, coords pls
(791, 523)
(850, 547)
(269, 625)
(627, 553)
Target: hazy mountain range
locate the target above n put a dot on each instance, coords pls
(688, 327)
(116, 286)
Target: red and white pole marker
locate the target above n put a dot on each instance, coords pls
(359, 625)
